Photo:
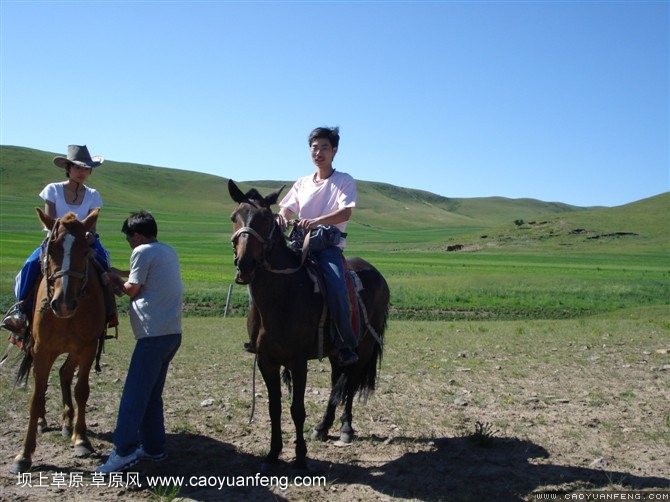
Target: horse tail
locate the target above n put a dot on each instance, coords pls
(24, 368)
(368, 381)
(378, 308)
(339, 390)
(378, 322)
(287, 378)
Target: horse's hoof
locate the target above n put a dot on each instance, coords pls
(20, 466)
(318, 435)
(346, 437)
(66, 432)
(83, 450)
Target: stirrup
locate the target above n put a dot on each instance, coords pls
(15, 321)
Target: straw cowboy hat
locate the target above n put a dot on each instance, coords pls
(78, 155)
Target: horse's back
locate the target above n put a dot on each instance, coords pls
(369, 275)
(375, 294)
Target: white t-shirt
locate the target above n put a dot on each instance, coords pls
(310, 199)
(54, 193)
(156, 310)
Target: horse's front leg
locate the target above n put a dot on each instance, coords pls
(41, 367)
(272, 380)
(82, 445)
(298, 414)
(66, 375)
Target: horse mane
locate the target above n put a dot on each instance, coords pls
(253, 194)
(70, 222)
(69, 218)
(254, 197)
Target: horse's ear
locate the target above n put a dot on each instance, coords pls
(47, 220)
(272, 197)
(91, 219)
(235, 192)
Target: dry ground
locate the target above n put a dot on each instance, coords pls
(456, 417)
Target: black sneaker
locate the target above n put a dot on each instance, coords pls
(15, 322)
(347, 357)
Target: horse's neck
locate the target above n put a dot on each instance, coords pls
(273, 282)
(281, 256)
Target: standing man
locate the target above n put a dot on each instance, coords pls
(327, 197)
(155, 288)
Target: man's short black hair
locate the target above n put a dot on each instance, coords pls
(142, 223)
(332, 134)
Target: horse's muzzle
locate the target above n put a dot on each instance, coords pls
(243, 279)
(63, 309)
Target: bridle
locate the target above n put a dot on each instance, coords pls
(266, 242)
(251, 231)
(50, 278)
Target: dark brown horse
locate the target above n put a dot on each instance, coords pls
(284, 319)
(69, 318)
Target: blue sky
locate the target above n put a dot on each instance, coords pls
(559, 101)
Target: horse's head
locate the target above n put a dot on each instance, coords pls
(254, 229)
(65, 260)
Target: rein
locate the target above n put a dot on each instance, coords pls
(49, 278)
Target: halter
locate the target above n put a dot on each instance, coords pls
(49, 278)
(266, 247)
(248, 230)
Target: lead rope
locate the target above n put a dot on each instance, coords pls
(253, 390)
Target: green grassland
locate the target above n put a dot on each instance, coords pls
(517, 258)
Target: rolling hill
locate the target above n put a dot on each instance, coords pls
(25, 171)
(515, 257)
(383, 209)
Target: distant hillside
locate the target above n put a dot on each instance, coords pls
(387, 216)
(128, 186)
(636, 227)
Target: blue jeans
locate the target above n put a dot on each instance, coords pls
(26, 279)
(140, 419)
(337, 296)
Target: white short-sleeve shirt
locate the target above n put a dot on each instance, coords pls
(310, 199)
(54, 193)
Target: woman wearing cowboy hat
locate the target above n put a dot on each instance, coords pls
(59, 199)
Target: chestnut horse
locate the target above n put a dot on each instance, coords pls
(69, 318)
(285, 316)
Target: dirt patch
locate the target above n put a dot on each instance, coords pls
(462, 422)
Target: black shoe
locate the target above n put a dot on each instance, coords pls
(249, 348)
(16, 323)
(347, 357)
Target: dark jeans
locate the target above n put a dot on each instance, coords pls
(337, 296)
(140, 419)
